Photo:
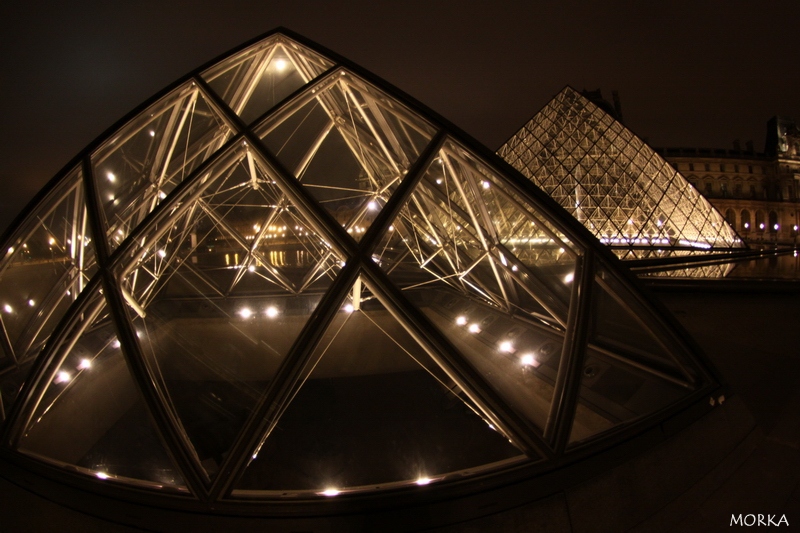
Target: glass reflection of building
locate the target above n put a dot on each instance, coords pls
(284, 280)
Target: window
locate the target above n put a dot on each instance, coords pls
(752, 191)
(691, 167)
(709, 189)
(737, 190)
(722, 168)
(708, 167)
(745, 220)
(730, 216)
(750, 169)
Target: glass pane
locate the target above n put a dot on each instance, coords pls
(254, 81)
(632, 369)
(350, 145)
(48, 263)
(453, 251)
(367, 418)
(79, 423)
(140, 165)
(219, 294)
(613, 392)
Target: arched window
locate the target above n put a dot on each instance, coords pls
(730, 216)
(745, 220)
(760, 220)
(773, 221)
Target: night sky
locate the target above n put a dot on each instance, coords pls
(689, 73)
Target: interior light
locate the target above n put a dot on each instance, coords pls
(251, 268)
(152, 133)
(330, 492)
(280, 65)
(63, 377)
(776, 227)
(102, 475)
(11, 250)
(52, 241)
(747, 225)
(271, 311)
(529, 360)
(474, 328)
(569, 277)
(116, 343)
(461, 321)
(31, 303)
(8, 309)
(506, 347)
(349, 308)
(162, 253)
(85, 363)
(423, 480)
(373, 205)
(485, 184)
(245, 312)
(162, 194)
(111, 177)
(438, 181)
(514, 268)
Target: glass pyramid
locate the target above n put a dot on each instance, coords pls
(307, 285)
(613, 183)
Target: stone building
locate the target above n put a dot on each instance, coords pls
(756, 192)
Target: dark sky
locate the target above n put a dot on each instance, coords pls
(688, 73)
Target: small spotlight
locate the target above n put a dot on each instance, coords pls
(85, 364)
(461, 321)
(529, 360)
(162, 253)
(63, 377)
(280, 65)
(474, 328)
(423, 481)
(506, 347)
(349, 308)
(111, 177)
(245, 312)
(271, 311)
(8, 309)
(152, 133)
(569, 277)
(102, 475)
(251, 268)
(373, 205)
(31, 303)
(485, 184)
(330, 492)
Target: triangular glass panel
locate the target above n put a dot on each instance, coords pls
(47, 265)
(219, 294)
(143, 162)
(350, 145)
(366, 418)
(254, 81)
(77, 424)
(633, 366)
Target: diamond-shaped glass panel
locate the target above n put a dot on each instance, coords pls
(219, 294)
(141, 164)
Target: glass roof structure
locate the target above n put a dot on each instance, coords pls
(283, 278)
(613, 183)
